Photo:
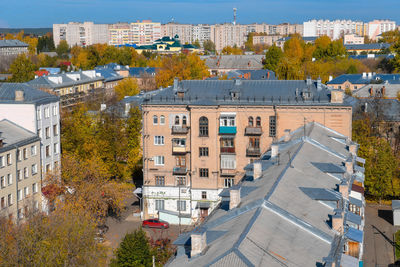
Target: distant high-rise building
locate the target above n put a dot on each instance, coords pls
(201, 33)
(333, 29)
(184, 31)
(119, 34)
(145, 32)
(228, 35)
(82, 34)
(378, 27)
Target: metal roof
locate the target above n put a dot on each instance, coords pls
(372, 90)
(365, 79)
(31, 95)
(242, 62)
(65, 79)
(354, 234)
(12, 43)
(371, 46)
(14, 135)
(395, 204)
(252, 74)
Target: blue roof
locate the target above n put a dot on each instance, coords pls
(137, 71)
(389, 56)
(354, 234)
(354, 218)
(356, 202)
(391, 112)
(371, 46)
(365, 79)
(109, 74)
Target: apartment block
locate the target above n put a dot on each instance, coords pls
(334, 29)
(353, 39)
(184, 31)
(377, 27)
(201, 33)
(20, 172)
(199, 135)
(120, 34)
(38, 112)
(12, 47)
(145, 32)
(228, 35)
(82, 34)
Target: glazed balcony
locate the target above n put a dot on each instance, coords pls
(179, 170)
(251, 130)
(253, 152)
(227, 150)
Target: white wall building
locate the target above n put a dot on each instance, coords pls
(38, 112)
(334, 29)
(378, 27)
(145, 32)
(82, 34)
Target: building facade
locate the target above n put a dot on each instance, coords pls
(82, 34)
(12, 47)
(145, 32)
(377, 27)
(38, 112)
(353, 39)
(333, 29)
(20, 172)
(199, 135)
(120, 34)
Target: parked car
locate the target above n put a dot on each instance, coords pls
(155, 223)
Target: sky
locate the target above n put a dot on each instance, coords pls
(44, 13)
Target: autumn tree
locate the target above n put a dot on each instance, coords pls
(229, 50)
(22, 69)
(209, 47)
(126, 87)
(272, 58)
(62, 49)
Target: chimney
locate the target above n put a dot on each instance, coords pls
(349, 165)
(344, 190)
(336, 96)
(364, 75)
(286, 136)
(274, 150)
(234, 197)
(19, 95)
(308, 81)
(199, 242)
(257, 170)
(330, 78)
(337, 221)
(176, 83)
(353, 148)
(319, 84)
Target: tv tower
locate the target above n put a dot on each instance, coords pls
(234, 15)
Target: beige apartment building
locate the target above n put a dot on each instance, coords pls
(145, 32)
(199, 135)
(20, 171)
(82, 34)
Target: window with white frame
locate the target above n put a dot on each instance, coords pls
(26, 191)
(9, 159)
(9, 179)
(159, 140)
(55, 150)
(9, 199)
(162, 120)
(39, 132)
(228, 182)
(55, 130)
(33, 150)
(19, 155)
(47, 132)
(34, 188)
(55, 110)
(181, 205)
(36, 205)
(3, 202)
(159, 204)
(159, 160)
(181, 180)
(26, 172)
(34, 169)
(47, 112)
(155, 120)
(228, 162)
(38, 115)
(25, 153)
(19, 195)
(19, 175)
(48, 151)
(160, 180)
(2, 161)
(227, 120)
(2, 181)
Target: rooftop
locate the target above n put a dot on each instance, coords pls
(31, 94)
(252, 74)
(371, 46)
(366, 78)
(14, 135)
(12, 43)
(66, 79)
(384, 90)
(243, 62)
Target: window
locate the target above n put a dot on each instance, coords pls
(184, 121)
(34, 188)
(227, 120)
(36, 205)
(228, 182)
(48, 167)
(55, 149)
(203, 126)
(9, 179)
(2, 161)
(203, 151)
(203, 194)
(26, 173)
(228, 162)
(34, 169)
(203, 172)
(162, 120)
(20, 215)
(19, 176)
(55, 130)
(258, 122)
(19, 195)
(47, 132)
(159, 204)
(2, 181)
(181, 180)
(47, 112)
(251, 121)
(155, 120)
(25, 153)
(56, 165)
(160, 180)
(9, 159)
(159, 161)
(33, 150)
(9, 200)
(159, 140)
(3, 202)
(181, 205)
(254, 142)
(55, 110)
(19, 155)
(179, 142)
(176, 120)
(272, 126)
(180, 161)
(38, 115)
(26, 191)
(39, 132)
(48, 153)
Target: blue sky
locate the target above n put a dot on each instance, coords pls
(43, 13)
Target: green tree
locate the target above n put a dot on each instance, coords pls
(62, 49)
(22, 69)
(272, 58)
(197, 43)
(249, 42)
(209, 47)
(352, 69)
(134, 250)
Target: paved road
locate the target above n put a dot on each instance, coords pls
(378, 235)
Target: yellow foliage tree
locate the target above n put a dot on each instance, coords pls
(126, 87)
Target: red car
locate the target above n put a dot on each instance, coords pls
(155, 223)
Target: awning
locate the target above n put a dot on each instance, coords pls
(203, 205)
(353, 218)
(354, 234)
(356, 202)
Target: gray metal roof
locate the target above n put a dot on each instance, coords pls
(372, 90)
(279, 221)
(395, 204)
(31, 95)
(365, 79)
(64, 80)
(242, 92)
(12, 43)
(15, 135)
(244, 62)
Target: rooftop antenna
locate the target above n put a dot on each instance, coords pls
(234, 15)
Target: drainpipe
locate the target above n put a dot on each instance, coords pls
(190, 155)
(16, 179)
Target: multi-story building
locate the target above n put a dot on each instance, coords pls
(199, 135)
(285, 29)
(38, 112)
(222, 64)
(353, 39)
(201, 33)
(20, 173)
(376, 27)
(301, 204)
(184, 31)
(266, 39)
(333, 29)
(73, 87)
(82, 34)
(120, 34)
(12, 47)
(145, 32)
(228, 35)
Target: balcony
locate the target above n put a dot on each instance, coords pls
(227, 129)
(179, 171)
(179, 150)
(179, 130)
(250, 130)
(228, 150)
(228, 172)
(253, 152)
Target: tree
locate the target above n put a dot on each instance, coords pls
(209, 47)
(45, 44)
(249, 42)
(229, 50)
(272, 58)
(134, 250)
(62, 49)
(197, 43)
(126, 87)
(22, 69)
